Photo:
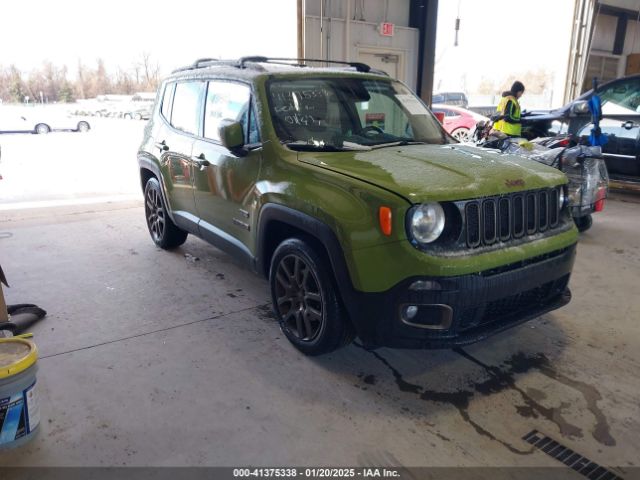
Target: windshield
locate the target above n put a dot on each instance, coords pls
(349, 113)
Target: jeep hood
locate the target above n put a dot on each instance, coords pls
(422, 173)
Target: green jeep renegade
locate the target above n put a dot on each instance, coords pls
(342, 188)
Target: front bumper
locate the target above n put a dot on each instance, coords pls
(459, 310)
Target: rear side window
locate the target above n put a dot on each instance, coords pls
(186, 106)
(167, 99)
(227, 101)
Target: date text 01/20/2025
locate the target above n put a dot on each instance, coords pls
(316, 472)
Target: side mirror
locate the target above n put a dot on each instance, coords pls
(231, 135)
(439, 116)
(580, 107)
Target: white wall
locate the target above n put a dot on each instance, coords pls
(604, 38)
(604, 33)
(373, 10)
(631, 44)
(364, 35)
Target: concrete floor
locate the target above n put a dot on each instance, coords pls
(157, 358)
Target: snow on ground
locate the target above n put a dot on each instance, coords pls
(68, 167)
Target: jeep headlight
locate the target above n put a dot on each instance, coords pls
(562, 198)
(426, 222)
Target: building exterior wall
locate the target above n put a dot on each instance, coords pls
(603, 62)
(350, 29)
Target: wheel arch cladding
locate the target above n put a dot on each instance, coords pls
(278, 223)
(145, 175)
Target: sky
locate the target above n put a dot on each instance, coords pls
(501, 37)
(175, 33)
(497, 37)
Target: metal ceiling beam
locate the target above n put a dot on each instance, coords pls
(423, 15)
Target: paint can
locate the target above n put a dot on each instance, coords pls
(19, 408)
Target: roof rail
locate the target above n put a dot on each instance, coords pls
(206, 62)
(300, 62)
(294, 62)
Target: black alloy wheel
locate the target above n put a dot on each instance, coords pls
(299, 298)
(305, 298)
(155, 214)
(164, 232)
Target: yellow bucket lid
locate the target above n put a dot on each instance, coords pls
(16, 355)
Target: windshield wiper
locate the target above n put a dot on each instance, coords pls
(399, 143)
(325, 147)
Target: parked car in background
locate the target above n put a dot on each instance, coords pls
(139, 113)
(620, 122)
(484, 110)
(451, 98)
(37, 121)
(459, 122)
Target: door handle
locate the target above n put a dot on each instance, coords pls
(201, 161)
(162, 146)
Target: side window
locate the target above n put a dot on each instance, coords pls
(226, 101)
(167, 99)
(253, 136)
(186, 106)
(621, 98)
(610, 127)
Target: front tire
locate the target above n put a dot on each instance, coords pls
(83, 126)
(583, 223)
(305, 300)
(42, 128)
(163, 231)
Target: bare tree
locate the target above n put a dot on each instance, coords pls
(150, 72)
(54, 84)
(534, 81)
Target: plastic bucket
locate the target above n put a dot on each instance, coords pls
(19, 409)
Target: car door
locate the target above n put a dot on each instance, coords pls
(225, 191)
(621, 150)
(621, 122)
(181, 108)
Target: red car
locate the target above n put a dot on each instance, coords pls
(459, 122)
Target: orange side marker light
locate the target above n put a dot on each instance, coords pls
(384, 216)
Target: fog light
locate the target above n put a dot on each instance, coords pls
(410, 312)
(425, 285)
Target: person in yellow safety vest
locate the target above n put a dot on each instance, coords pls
(509, 111)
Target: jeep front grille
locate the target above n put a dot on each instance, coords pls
(511, 216)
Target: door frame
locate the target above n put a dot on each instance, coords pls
(377, 50)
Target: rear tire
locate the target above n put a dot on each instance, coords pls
(83, 126)
(305, 300)
(461, 134)
(163, 231)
